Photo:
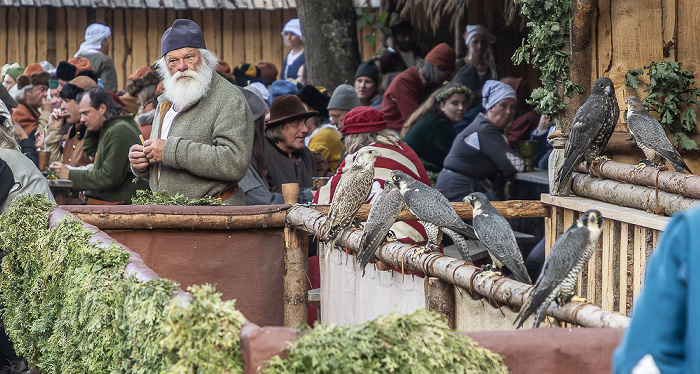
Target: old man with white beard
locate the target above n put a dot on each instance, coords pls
(202, 135)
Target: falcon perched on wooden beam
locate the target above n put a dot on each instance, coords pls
(351, 193)
(385, 208)
(561, 268)
(591, 129)
(435, 212)
(495, 232)
(651, 137)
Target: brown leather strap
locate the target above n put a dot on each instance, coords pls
(91, 201)
(228, 193)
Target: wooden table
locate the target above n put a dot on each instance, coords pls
(59, 189)
(538, 176)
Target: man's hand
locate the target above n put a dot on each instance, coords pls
(138, 158)
(46, 105)
(56, 119)
(61, 170)
(153, 148)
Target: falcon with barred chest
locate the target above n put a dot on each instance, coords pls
(351, 193)
(494, 231)
(651, 137)
(434, 211)
(591, 129)
(561, 268)
(385, 208)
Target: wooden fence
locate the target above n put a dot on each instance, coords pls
(32, 34)
(615, 274)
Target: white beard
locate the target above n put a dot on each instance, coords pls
(183, 92)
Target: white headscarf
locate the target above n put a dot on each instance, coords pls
(94, 35)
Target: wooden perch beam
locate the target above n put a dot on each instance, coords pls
(463, 274)
(686, 185)
(629, 195)
(509, 209)
(146, 218)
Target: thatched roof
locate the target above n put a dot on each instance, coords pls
(428, 14)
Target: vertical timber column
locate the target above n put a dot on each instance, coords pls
(440, 298)
(296, 299)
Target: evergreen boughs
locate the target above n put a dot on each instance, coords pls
(144, 197)
(69, 308)
(416, 343)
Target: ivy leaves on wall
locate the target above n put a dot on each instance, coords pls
(549, 21)
(670, 92)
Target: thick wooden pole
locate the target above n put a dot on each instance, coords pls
(296, 299)
(686, 185)
(629, 195)
(460, 273)
(440, 298)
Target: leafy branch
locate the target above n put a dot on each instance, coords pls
(544, 48)
(367, 16)
(669, 92)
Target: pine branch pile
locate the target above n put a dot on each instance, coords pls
(416, 343)
(69, 308)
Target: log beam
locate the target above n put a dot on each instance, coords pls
(440, 298)
(296, 299)
(629, 195)
(132, 218)
(460, 273)
(686, 185)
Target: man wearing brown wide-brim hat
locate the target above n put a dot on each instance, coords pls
(288, 160)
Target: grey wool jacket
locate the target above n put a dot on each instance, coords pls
(208, 147)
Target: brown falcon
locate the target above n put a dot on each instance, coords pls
(591, 128)
(351, 193)
(651, 137)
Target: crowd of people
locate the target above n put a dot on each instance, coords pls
(191, 125)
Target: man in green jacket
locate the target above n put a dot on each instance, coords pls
(202, 135)
(110, 181)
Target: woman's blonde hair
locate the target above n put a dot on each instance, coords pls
(353, 142)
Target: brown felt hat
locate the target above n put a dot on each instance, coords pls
(287, 108)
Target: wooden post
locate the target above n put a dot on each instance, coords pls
(296, 300)
(440, 298)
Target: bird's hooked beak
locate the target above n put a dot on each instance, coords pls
(608, 89)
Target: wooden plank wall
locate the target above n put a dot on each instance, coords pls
(615, 274)
(631, 34)
(29, 35)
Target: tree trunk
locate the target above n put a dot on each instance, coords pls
(580, 62)
(330, 41)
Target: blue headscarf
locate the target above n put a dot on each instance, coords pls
(494, 91)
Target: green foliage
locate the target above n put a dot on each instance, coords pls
(144, 197)
(417, 343)
(203, 337)
(69, 308)
(669, 92)
(544, 48)
(377, 20)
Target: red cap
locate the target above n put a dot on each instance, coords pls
(33, 69)
(442, 57)
(363, 119)
(81, 64)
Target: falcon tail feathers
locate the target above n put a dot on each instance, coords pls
(460, 242)
(567, 167)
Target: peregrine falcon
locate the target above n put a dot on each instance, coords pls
(591, 128)
(385, 208)
(561, 268)
(434, 211)
(494, 231)
(351, 193)
(651, 137)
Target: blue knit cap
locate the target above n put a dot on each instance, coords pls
(184, 33)
(495, 91)
(281, 87)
